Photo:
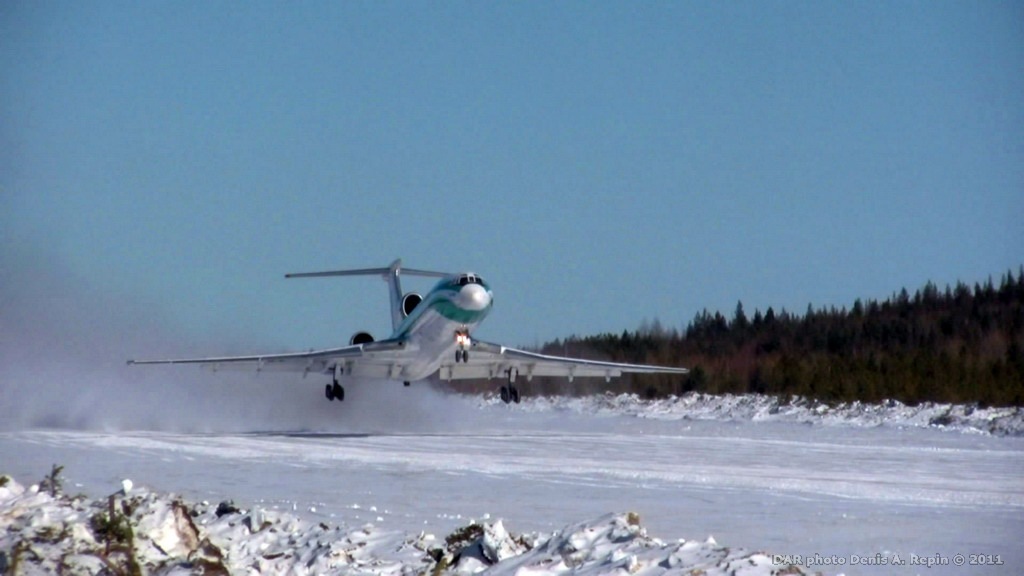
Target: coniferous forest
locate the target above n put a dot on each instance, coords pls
(962, 344)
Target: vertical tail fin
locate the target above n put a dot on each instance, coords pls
(395, 292)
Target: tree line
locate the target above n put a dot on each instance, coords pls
(961, 344)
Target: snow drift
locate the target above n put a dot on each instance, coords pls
(162, 534)
(997, 421)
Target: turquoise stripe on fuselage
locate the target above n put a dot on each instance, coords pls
(441, 300)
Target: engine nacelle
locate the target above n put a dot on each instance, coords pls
(361, 338)
(410, 302)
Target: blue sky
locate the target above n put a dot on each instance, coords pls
(598, 163)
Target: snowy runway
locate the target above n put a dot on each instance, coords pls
(787, 488)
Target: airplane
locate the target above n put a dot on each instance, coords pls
(431, 336)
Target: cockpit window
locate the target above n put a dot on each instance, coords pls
(468, 279)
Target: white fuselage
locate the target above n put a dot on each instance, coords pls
(432, 331)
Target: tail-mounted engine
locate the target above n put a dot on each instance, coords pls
(410, 302)
(361, 338)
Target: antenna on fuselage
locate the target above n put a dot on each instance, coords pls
(390, 274)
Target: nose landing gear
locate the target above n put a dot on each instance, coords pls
(462, 343)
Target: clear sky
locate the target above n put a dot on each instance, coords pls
(599, 163)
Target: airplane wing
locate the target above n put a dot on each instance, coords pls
(387, 358)
(373, 359)
(488, 360)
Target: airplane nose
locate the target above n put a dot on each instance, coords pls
(474, 297)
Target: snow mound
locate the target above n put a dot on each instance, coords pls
(161, 534)
(967, 418)
(618, 544)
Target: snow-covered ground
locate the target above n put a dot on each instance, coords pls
(829, 485)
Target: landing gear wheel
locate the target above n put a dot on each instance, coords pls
(505, 396)
(461, 356)
(465, 356)
(329, 392)
(338, 391)
(514, 394)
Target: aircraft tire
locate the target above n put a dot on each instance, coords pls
(514, 394)
(338, 391)
(329, 393)
(505, 396)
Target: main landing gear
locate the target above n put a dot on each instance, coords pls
(335, 392)
(510, 393)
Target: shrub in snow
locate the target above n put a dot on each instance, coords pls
(475, 547)
(52, 483)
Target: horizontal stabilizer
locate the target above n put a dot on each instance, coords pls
(395, 268)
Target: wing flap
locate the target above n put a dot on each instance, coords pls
(487, 360)
(313, 361)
